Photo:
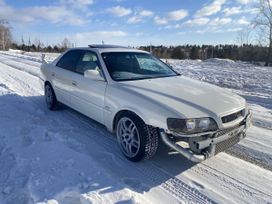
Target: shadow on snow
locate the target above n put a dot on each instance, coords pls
(46, 154)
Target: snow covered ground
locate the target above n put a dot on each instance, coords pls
(64, 157)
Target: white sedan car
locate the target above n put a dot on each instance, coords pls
(141, 99)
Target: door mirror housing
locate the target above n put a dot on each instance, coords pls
(94, 75)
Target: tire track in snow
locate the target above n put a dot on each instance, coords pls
(22, 56)
(15, 66)
(252, 156)
(229, 184)
(30, 62)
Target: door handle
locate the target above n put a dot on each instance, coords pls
(74, 83)
(53, 74)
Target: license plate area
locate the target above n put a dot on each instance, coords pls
(235, 132)
(225, 135)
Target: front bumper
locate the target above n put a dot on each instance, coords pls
(201, 148)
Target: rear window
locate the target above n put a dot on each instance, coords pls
(69, 60)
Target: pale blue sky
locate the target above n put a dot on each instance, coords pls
(129, 22)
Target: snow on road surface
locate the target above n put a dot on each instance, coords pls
(64, 157)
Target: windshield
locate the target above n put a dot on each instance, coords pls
(123, 66)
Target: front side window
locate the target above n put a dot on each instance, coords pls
(69, 60)
(87, 61)
(123, 66)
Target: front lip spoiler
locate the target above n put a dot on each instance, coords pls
(206, 154)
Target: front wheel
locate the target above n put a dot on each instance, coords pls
(136, 139)
(50, 97)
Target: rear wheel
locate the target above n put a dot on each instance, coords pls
(136, 140)
(50, 97)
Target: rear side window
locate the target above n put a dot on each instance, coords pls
(87, 61)
(69, 60)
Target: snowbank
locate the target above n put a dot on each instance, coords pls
(33, 56)
(251, 81)
(220, 61)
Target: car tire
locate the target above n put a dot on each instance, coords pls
(50, 97)
(137, 140)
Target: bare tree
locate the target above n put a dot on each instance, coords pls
(5, 35)
(263, 22)
(244, 37)
(65, 43)
(37, 43)
(22, 40)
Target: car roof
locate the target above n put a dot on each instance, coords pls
(103, 46)
(110, 48)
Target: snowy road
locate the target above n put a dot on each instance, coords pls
(65, 156)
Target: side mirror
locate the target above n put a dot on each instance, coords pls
(94, 75)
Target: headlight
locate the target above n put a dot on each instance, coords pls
(190, 126)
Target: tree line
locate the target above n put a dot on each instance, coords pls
(245, 52)
(38, 46)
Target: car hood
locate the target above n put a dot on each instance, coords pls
(187, 97)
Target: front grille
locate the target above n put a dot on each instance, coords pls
(225, 131)
(233, 116)
(222, 146)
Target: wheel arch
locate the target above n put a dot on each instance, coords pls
(120, 113)
(48, 83)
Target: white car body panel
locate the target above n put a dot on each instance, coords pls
(62, 84)
(88, 97)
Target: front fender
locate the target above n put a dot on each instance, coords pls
(151, 112)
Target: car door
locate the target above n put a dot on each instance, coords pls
(88, 94)
(63, 74)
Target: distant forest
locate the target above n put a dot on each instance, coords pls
(246, 52)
